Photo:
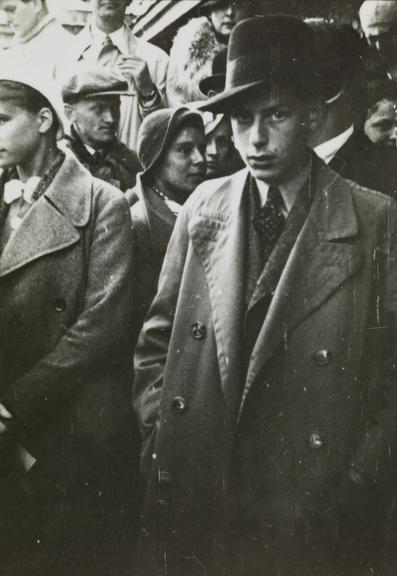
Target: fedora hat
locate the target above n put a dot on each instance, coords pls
(264, 50)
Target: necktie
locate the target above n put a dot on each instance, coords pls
(107, 51)
(270, 221)
(15, 189)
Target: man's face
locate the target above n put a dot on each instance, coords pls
(223, 18)
(22, 17)
(96, 119)
(218, 151)
(19, 135)
(380, 126)
(270, 132)
(183, 168)
(380, 28)
(110, 10)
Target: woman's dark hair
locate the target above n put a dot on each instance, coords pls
(27, 98)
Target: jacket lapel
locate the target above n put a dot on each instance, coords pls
(51, 223)
(322, 259)
(218, 239)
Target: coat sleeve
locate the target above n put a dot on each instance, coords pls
(96, 342)
(152, 348)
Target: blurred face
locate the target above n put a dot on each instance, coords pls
(19, 135)
(110, 10)
(218, 151)
(380, 126)
(183, 168)
(380, 29)
(96, 120)
(22, 17)
(223, 18)
(271, 132)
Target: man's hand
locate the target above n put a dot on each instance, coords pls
(136, 68)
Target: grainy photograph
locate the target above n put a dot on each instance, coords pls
(198, 287)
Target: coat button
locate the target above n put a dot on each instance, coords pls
(164, 477)
(179, 404)
(59, 304)
(198, 330)
(315, 441)
(322, 357)
(163, 503)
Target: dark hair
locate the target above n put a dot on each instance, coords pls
(27, 98)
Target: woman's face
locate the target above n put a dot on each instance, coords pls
(183, 166)
(219, 151)
(223, 18)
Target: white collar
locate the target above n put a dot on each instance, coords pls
(327, 150)
(35, 30)
(118, 37)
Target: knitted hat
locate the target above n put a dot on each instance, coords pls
(158, 130)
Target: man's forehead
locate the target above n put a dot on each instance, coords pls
(267, 98)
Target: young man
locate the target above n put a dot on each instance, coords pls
(39, 40)
(260, 371)
(65, 273)
(109, 42)
(381, 123)
(378, 20)
(92, 105)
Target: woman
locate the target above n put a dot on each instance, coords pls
(171, 150)
(195, 46)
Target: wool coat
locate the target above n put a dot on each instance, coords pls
(152, 226)
(65, 370)
(367, 164)
(284, 465)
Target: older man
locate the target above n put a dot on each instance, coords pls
(379, 22)
(92, 105)
(39, 41)
(109, 42)
(261, 379)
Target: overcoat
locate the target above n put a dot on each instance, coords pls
(65, 303)
(269, 451)
(152, 226)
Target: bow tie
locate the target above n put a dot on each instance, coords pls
(15, 189)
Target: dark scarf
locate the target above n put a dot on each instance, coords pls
(92, 162)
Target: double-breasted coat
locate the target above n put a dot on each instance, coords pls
(65, 371)
(271, 468)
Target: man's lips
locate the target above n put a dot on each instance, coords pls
(261, 159)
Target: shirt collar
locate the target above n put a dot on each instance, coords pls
(34, 31)
(118, 37)
(288, 190)
(327, 150)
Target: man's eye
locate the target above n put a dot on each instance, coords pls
(279, 115)
(242, 117)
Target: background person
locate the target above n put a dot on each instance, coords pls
(378, 20)
(194, 47)
(380, 125)
(39, 41)
(171, 148)
(92, 105)
(109, 42)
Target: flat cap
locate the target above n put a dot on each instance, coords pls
(86, 81)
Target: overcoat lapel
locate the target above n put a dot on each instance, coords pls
(219, 239)
(51, 223)
(324, 256)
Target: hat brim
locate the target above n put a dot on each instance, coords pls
(74, 97)
(225, 100)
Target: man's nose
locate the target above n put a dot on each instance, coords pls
(109, 116)
(259, 134)
(211, 148)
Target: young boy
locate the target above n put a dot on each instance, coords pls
(260, 371)
(65, 273)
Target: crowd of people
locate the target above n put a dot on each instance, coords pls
(198, 295)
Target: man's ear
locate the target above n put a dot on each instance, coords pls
(69, 112)
(46, 120)
(38, 6)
